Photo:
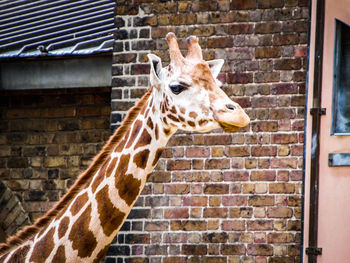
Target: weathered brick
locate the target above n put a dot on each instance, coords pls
(178, 165)
(217, 164)
(215, 237)
(243, 4)
(233, 249)
(279, 212)
(177, 188)
(216, 189)
(263, 176)
(280, 237)
(261, 200)
(260, 249)
(260, 225)
(233, 225)
(281, 188)
(215, 212)
(188, 225)
(176, 213)
(194, 249)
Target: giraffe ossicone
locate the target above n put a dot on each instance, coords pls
(184, 95)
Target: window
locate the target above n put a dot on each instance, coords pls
(341, 92)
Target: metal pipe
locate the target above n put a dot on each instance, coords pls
(316, 113)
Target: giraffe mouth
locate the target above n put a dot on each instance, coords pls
(227, 127)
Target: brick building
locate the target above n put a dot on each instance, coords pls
(214, 197)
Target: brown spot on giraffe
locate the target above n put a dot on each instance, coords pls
(19, 255)
(86, 243)
(165, 121)
(150, 123)
(166, 131)
(128, 187)
(157, 156)
(100, 176)
(62, 228)
(182, 119)
(156, 132)
(173, 110)
(110, 216)
(79, 203)
(145, 139)
(182, 110)
(202, 122)
(173, 118)
(141, 158)
(60, 255)
(43, 247)
(123, 164)
(122, 143)
(191, 123)
(135, 131)
(111, 167)
(101, 254)
(193, 114)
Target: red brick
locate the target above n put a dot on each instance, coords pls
(263, 176)
(257, 201)
(215, 212)
(215, 237)
(233, 249)
(195, 201)
(217, 164)
(280, 238)
(279, 212)
(234, 200)
(264, 151)
(237, 151)
(220, 42)
(281, 188)
(188, 225)
(239, 78)
(236, 176)
(284, 163)
(174, 260)
(177, 188)
(260, 225)
(176, 213)
(178, 165)
(194, 249)
(265, 126)
(216, 189)
(233, 225)
(267, 52)
(300, 51)
(284, 138)
(243, 4)
(198, 152)
(260, 250)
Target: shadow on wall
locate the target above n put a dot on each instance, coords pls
(12, 214)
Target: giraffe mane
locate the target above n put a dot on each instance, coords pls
(29, 231)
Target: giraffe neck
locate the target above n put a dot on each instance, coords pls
(83, 231)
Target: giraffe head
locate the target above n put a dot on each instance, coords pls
(189, 91)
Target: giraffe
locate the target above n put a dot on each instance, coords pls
(81, 226)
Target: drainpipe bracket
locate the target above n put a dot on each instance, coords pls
(313, 251)
(318, 111)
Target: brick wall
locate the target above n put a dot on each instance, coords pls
(47, 137)
(220, 197)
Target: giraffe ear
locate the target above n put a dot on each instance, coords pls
(156, 67)
(215, 66)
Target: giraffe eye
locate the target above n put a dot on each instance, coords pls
(177, 88)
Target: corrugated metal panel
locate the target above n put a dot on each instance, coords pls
(60, 27)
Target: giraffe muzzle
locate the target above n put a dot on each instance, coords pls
(231, 118)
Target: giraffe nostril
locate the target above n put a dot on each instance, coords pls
(230, 106)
